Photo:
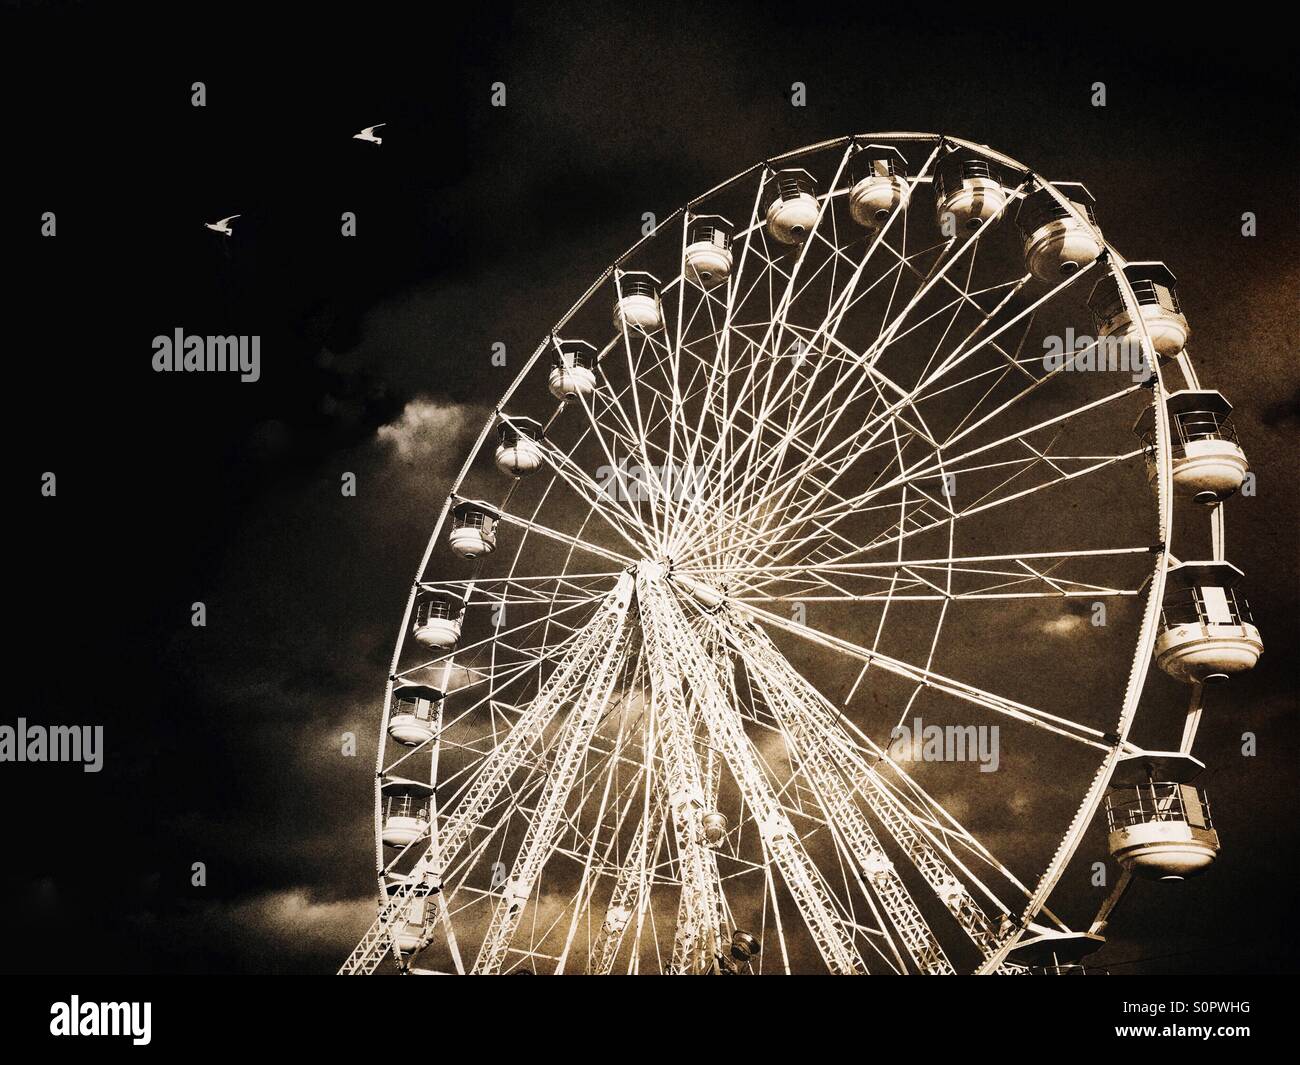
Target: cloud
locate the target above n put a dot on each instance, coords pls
(1065, 625)
(1283, 412)
(429, 429)
(285, 930)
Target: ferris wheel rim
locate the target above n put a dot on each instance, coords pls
(1145, 641)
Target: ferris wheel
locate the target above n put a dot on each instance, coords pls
(794, 608)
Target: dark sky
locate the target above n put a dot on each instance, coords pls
(479, 225)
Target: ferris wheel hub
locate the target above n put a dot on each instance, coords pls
(707, 595)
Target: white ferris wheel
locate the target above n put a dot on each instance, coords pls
(812, 484)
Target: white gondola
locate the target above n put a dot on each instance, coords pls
(473, 529)
(1050, 951)
(969, 189)
(1142, 767)
(1208, 462)
(1161, 829)
(411, 929)
(1059, 243)
(411, 932)
(406, 811)
(1206, 631)
(437, 618)
(411, 716)
(1067, 969)
(793, 209)
(637, 305)
(1155, 290)
(708, 250)
(573, 369)
(880, 186)
(519, 446)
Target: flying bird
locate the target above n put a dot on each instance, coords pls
(368, 134)
(221, 227)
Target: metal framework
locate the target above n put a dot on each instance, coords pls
(768, 535)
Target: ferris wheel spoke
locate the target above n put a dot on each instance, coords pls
(677, 417)
(720, 483)
(895, 537)
(663, 410)
(777, 324)
(625, 430)
(937, 274)
(802, 583)
(971, 346)
(627, 523)
(563, 538)
(820, 453)
(835, 512)
(836, 315)
(657, 504)
(773, 573)
(900, 531)
(771, 499)
(721, 367)
(987, 317)
(673, 419)
(771, 340)
(558, 618)
(901, 316)
(875, 422)
(812, 461)
(761, 486)
(649, 346)
(853, 446)
(970, 693)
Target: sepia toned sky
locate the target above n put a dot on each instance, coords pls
(475, 226)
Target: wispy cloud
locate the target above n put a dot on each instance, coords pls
(429, 429)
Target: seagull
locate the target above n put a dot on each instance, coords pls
(368, 134)
(221, 227)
